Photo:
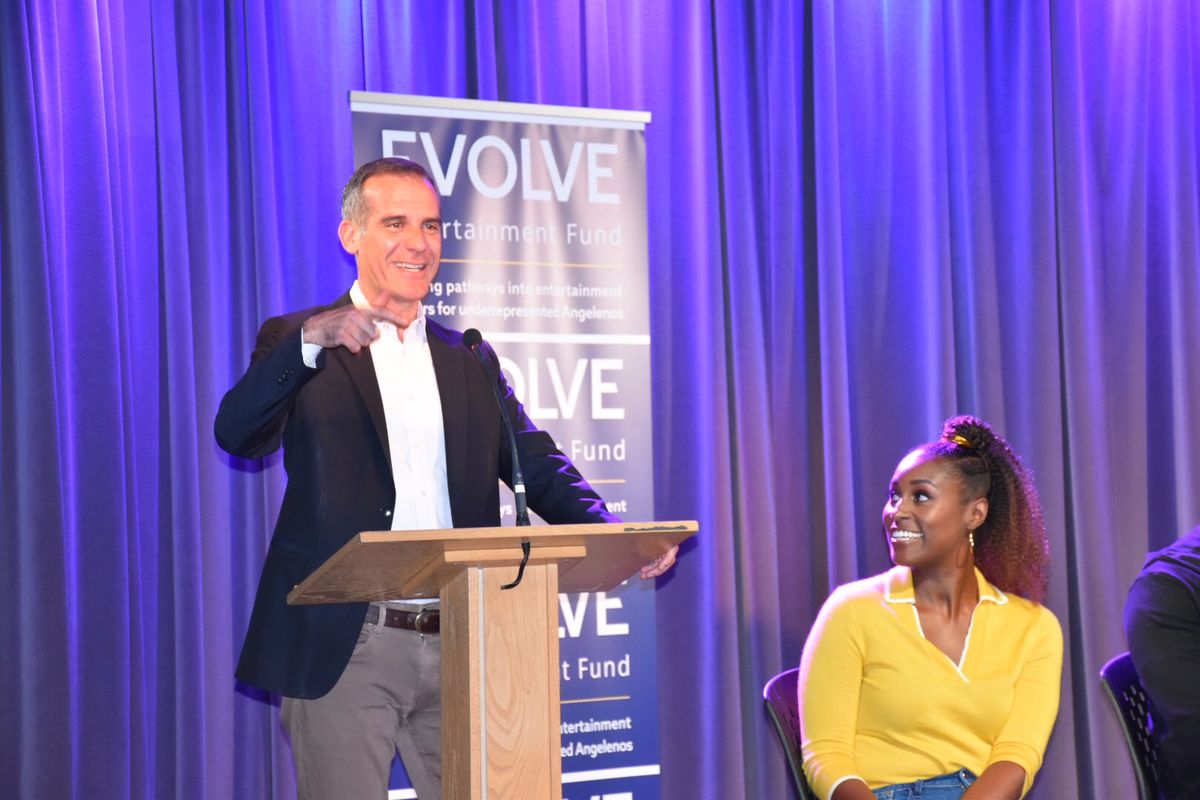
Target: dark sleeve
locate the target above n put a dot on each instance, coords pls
(554, 487)
(1162, 626)
(252, 415)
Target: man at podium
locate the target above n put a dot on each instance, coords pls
(387, 421)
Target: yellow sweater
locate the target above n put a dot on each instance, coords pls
(881, 703)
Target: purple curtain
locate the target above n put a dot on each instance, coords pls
(864, 217)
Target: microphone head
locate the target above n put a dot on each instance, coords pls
(472, 338)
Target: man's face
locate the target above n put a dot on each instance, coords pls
(400, 247)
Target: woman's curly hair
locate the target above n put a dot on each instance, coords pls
(1010, 546)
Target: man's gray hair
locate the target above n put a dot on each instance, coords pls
(354, 208)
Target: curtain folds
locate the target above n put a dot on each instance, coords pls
(864, 217)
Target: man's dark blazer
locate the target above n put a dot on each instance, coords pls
(331, 424)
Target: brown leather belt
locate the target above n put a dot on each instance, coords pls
(426, 620)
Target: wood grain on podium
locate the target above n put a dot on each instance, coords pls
(505, 678)
(461, 688)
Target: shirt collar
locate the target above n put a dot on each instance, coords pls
(414, 332)
(899, 588)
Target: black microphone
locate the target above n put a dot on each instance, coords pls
(472, 339)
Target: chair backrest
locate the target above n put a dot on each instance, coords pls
(781, 694)
(1123, 687)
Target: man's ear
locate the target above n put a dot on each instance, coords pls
(349, 236)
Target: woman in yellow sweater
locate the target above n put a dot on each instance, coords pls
(939, 679)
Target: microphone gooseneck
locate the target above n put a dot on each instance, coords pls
(473, 340)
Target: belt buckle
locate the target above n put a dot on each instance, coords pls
(426, 621)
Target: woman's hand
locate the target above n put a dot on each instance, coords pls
(1003, 780)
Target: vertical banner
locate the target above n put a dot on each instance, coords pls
(545, 252)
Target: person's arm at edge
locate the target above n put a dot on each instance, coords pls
(1162, 629)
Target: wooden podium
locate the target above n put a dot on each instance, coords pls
(500, 664)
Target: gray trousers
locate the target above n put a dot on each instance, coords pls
(387, 701)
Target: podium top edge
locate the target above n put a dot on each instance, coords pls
(533, 112)
(674, 526)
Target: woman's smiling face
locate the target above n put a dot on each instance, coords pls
(927, 514)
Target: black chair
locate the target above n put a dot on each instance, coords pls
(781, 694)
(1136, 714)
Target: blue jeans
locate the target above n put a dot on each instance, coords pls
(943, 787)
